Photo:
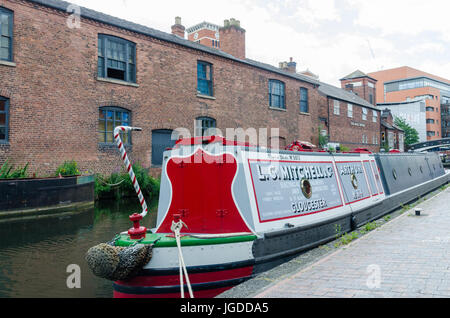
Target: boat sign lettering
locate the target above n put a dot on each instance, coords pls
(287, 189)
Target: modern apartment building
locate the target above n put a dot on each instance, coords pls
(406, 84)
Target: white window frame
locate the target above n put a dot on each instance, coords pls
(349, 110)
(375, 116)
(364, 113)
(337, 107)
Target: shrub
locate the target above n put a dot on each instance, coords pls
(119, 185)
(7, 171)
(67, 169)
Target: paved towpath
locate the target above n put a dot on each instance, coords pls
(406, 257)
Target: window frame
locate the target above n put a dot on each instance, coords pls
(305, 102)
(114, 109)
(204, 128)
(10, 36)
(349, 110)
(282, 98)
(130, 47)
(6, 112)
(209, 82)
(365, 112)
(374, 116)
(336, 107)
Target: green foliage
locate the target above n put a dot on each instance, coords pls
(345, 149)
(68, 169)
(323, 140)
(370, 226)
(411, 134)
(119, 185)
(7, 171)
(385, 146)
(347, 238)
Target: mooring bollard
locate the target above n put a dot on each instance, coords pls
(418, 211)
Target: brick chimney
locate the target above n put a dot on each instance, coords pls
(290, 66)
(232, 38)
(178, 29)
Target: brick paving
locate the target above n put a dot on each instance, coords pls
(407, 257)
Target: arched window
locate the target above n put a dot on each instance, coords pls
(161, 140)
(204, 126)
(304, 104)
(6, 34)
(116, 58)
(4, 119)
(204, 78)
(109, 118)
(277, 94)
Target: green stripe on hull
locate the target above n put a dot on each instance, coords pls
(164, 241)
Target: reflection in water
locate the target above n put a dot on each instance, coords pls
(34, 255)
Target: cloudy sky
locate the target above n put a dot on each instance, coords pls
(331, 38)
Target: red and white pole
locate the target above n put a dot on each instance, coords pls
(128, 166)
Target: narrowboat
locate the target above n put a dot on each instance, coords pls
(228, 211)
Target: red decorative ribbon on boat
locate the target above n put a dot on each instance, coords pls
(128, 166)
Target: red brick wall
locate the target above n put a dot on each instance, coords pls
(232, 41)
(341, 130)
(55, 95)
(363, 91)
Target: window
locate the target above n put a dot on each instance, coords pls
(161, 140)
(6, 34)
(431, 133)
(204, 78)
(4, 112)
(204, 126)
(364, 113)
(336, 107)
(430, 121)
(364, 139)
(371, 98)
(350, 110)
(109, 118)
(277, 94)
(304, 107)
(430, 109)
(375, 116)
(375, 140)
(116, 58)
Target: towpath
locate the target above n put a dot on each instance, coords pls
(409, 256)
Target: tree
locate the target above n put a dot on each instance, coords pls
(411, 134)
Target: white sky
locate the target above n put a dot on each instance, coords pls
(331, 38)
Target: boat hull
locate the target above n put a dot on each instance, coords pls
(278, 205)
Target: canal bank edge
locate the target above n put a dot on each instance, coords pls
(36, 198)
(51, 211)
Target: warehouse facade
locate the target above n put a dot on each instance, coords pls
(66, 84)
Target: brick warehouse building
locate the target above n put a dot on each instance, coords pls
(64, 88)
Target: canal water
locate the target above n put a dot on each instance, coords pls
(35, 255)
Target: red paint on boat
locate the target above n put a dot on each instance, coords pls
(209, 293)
(202, 194)
(195, 278)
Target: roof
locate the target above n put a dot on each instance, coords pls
(356, 74)
(168, 37)
(389, 126)
(342, 94)
(204, 24)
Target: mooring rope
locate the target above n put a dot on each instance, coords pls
(128, 166)
(176, 228)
